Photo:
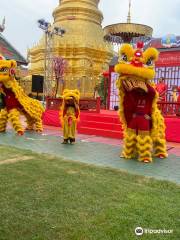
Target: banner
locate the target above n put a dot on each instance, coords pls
(169, 58)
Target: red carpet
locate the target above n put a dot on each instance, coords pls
(173, 129)
(107, 124)
(51, 118)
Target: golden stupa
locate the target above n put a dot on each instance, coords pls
(82, 45)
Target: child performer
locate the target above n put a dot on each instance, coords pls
(70, 114)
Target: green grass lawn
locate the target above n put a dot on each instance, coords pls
(44, 197)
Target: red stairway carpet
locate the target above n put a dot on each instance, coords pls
(107, 124)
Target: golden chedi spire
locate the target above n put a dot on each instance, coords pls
(82, 45)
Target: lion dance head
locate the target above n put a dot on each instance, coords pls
(7, 70)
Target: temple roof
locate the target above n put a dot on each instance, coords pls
(9, 52)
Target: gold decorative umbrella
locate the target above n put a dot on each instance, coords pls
(127, 32)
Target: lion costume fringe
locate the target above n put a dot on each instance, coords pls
(16, 102)
(143, 123)
(69, 114)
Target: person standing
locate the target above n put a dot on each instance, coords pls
(69, 114)
(161, 88)
(174, 93)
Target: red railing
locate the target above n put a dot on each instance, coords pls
(94, 105)
(53, 103)
(169, 108)
(85, 104)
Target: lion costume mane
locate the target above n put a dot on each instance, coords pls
(143, 123)
(16, 102)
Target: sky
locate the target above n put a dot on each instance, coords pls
(21, 17)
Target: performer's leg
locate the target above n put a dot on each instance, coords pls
(30, 122)
(158, 136)
(65, 130)
(72, 131)
(160, 149)
(144, 147)
(38, 125)
(3, 120)
(14, 117)
(129, 148)
(160, 145)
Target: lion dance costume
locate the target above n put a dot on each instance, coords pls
(15, 102)
(69, 114)
(143, 124)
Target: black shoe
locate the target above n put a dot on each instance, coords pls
(65, 141)
(72, 140)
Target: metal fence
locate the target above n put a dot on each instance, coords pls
(172, 78)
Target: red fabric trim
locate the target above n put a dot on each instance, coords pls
(136, 105)
(11, 101)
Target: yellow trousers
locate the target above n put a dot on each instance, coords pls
(69, 127)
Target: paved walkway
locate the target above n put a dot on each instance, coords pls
(96, 150)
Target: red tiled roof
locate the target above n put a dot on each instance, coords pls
(9, 52)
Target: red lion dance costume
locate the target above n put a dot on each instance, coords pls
(143, 123)
(14, 102)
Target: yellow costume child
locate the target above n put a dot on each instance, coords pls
(69, 114)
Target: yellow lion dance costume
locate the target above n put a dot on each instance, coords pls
(143, 124)
(69, 114)
(16, 102)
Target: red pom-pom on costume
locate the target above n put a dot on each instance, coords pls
(140, 45)
(106, 74)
